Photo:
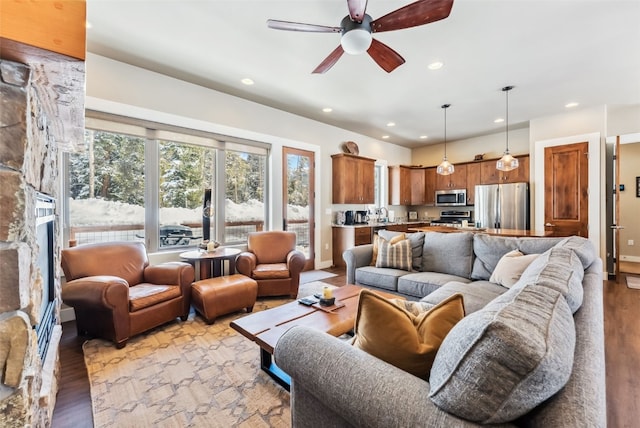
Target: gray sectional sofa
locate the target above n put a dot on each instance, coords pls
(530, 355)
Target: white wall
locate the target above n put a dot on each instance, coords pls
(119, 88)
(492, 146)
(587, 124)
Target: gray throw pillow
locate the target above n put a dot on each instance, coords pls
(450, 253)
(417, 241)
(501, 362)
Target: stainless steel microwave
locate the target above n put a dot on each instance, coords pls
(451, 198)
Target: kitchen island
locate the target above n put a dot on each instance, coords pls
(518, 233)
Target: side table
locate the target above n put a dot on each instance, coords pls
(215, 259)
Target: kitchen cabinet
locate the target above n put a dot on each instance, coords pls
(457, 180)
(344, 237)
(430, 186)
(490, 175)
(473, 178)
(353, 179)
(406, 185)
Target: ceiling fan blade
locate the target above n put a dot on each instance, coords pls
(330, 60)
(386, 57)
(414, 14)
(357, 8)
(298, 26)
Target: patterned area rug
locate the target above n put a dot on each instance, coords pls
(185, 374)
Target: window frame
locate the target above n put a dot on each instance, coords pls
(153, 133)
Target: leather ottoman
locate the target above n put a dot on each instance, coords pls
(223, 295)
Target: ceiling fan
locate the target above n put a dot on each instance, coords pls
(356, 29)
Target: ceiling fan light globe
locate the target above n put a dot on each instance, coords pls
(356, 41)
(445, 168)
(507, 163)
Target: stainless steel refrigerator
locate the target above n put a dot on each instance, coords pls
(502, 206)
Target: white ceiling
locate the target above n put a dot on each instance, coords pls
(554, 52)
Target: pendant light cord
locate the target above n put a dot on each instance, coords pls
(445, 107)
(506, 89)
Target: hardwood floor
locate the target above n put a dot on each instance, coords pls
(622, 349)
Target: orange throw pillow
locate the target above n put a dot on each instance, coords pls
(395, 335)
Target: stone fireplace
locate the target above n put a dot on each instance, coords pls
(38, 102)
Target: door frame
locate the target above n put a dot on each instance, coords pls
(286, 150)
(596, 181)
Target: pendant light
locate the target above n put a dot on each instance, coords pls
(445, 168)
(507, 162)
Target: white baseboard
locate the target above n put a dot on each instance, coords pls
(634, 259)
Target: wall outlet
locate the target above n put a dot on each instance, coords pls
(327, 211)
(326, 246)
(630, 242)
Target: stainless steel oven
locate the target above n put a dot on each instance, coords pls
(451, 198)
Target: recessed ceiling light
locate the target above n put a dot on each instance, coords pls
(571, 104)
(327, 109)
(247, 81)
(437, 65)
(498, 120)
(391, 124)
(385, 137)
(423, 137)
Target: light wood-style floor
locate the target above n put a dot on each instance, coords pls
(622, 348)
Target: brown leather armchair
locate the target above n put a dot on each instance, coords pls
(116, 294)
(273, 261)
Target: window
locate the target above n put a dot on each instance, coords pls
(185, 171)
(245, 210)
(380, 183)
(106, 188)
(135, 182)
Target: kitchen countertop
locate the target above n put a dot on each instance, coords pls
(497, 232)
(382, 224)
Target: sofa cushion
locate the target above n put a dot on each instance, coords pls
(395, 335)
(558, 268)
(396, 255)
(583, 248)
(376, 239)
(417, 242)
(419, 284)
(489, 249)
(476, 294)
(499, 363)
(510, 267)
(450, 253)
(385, 278)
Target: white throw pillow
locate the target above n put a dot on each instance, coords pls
(510, 268)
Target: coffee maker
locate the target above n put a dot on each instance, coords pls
(349, 218)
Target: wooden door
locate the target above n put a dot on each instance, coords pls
(566, 189)
(298, 182)
(366, 181)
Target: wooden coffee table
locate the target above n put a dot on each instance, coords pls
(266, 327)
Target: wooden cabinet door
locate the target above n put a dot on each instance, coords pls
(417, 186)
(430, 186)
(519, 174)
(366, 185)
(459, 177)
(488, 172)
(490, 175)
(353, 179)
(457, 180)
(399, 185)
(473, 178)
